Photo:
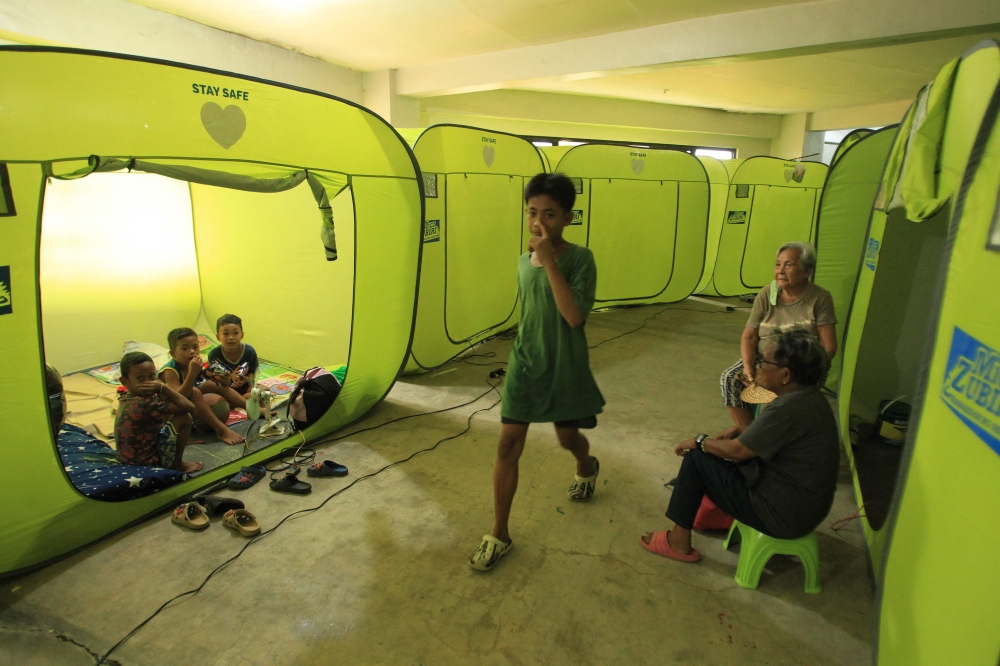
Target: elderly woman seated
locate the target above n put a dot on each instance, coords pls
(791, 301)
(777, 475)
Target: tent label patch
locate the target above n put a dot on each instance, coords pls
(432, 231)
(6, 300)
(972, 386)
(577, 217)
(871, 254)
(431, 185)
(736, 217)
(577, 185)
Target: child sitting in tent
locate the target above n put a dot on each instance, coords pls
(183, 374)
(233, 362)
(153, 421)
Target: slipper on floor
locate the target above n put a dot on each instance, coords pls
(489, 553)
(247, 477)
(216, 505)
(191, 515)
(659, 544)
(327, 468)
(290, 483)
(242, 521)
(583, 488)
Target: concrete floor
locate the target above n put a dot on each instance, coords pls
(379, 574)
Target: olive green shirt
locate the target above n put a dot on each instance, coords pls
(548, 375)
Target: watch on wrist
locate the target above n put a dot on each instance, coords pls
(699, 441)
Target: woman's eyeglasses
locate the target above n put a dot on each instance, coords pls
(762, 361)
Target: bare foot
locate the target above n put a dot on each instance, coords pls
(230, 437)
(188, 467)
(672, 541)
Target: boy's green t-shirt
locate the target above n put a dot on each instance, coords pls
(548, 374)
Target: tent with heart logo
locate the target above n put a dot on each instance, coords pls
(770, 202)
(644, 215)
(138, 196)
(924, 328)
(845, 208)
(473, 235)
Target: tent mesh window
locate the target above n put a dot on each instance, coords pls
(6, 198)
(431, 185)
(993, 242)
(742, 191)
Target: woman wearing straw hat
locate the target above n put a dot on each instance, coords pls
(791, 301)
(779, 474)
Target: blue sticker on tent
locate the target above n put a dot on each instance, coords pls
(871, 254)
(432, 231)
(972, 386)
(6, 299)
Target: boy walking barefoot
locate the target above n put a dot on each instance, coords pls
(548, 374)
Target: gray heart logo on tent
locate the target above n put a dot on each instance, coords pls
(488, 155)
(788, 175)
(226, 126)
(638, 166)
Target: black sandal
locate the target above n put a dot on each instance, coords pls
(290, 483)
(217, 506)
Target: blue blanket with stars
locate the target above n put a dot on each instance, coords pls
(93, 468)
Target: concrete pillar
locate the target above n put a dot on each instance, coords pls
(791, 139)
(380, 96)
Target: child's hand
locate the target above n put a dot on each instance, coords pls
(542, 247)
(147, 389)
(196, 366)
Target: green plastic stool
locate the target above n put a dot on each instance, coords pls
(757, 549)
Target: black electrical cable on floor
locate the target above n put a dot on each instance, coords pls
(651, 317)
(468, 427)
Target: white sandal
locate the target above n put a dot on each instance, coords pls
(583, 487)
(489, 553)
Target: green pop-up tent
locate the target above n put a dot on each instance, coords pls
(644, 214)
(923, 328)
(770, 202)
(473, 234)
(263, 170)
(845, 208)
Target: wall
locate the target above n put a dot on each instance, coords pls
(578, 116)
(122, 27)
(789, 143)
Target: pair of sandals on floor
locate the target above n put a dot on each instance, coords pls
(195, 515)
(249, 475)
(492, 549)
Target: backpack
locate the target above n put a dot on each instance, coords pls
(312, 396)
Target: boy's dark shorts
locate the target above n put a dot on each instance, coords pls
(586, 423)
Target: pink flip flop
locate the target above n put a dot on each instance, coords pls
(661, 546)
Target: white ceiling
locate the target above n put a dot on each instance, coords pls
(369, 35)
(782, 85)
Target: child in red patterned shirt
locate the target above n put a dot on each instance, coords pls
(153, 421)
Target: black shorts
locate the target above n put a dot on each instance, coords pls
(586, 423)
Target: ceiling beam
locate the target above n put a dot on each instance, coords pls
(809, 27)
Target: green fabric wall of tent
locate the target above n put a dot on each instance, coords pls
(255, 191)
(552, 155)
(474, 233)
(770, 202)
(718, 178)
(845, 209)
(644, 215)
(918, 329)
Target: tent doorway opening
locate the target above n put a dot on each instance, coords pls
(125, 257)
(892, 350)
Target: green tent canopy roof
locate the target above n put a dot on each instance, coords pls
(259, 250)
(644, 214)
(473, 235)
